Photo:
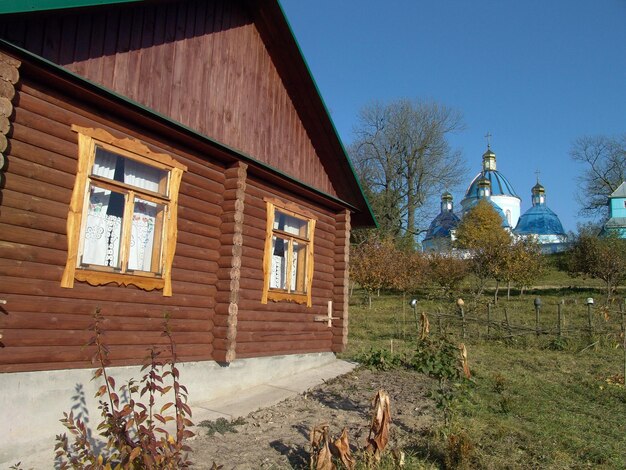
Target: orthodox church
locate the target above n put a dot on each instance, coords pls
(538, 222)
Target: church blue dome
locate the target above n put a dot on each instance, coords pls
(539, 220)
(442, 225)
(500, 186)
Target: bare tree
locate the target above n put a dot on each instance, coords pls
(402, 154)
(604, 159)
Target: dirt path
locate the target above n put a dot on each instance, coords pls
(277, 437)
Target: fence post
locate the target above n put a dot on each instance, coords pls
(460, 304)
(537, 303)
(589, 316)
(622, 309)
(506, 319)
(489, 319)
(558, 313)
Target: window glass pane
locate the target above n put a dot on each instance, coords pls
(103, 228)
(298, 268)
(116, 167)
(278, 273)
(146, 236)
(290, 224)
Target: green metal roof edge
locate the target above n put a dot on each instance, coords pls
(330, 119)
(25, 6)
(155, 114)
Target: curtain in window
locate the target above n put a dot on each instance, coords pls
(106, 210)
(280, 247)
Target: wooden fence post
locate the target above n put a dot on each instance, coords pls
(622, 308)
(489, 319)
(590, 317)
(506, 319)
(537, 303)
(460, 303)
(558, 313)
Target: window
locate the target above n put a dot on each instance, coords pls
(122, 221)
(288, 257)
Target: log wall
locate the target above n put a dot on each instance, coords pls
(44, 325)
(202, 63)
(279, 327)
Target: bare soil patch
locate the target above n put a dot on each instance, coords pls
(278, 437)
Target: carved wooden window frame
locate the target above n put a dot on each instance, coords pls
(88, 139)
(297, 212)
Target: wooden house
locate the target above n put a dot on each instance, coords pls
(164, 156)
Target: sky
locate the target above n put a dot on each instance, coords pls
(535, 74)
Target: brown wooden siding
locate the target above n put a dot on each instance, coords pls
(201, 62)
(279, 327)
(43, 324)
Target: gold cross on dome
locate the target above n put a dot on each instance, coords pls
(488, 137)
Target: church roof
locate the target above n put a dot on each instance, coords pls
(616, 222)
(539, 220)
(620, 191)
(500, 186)
(441, 226)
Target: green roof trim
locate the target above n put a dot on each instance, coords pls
(156, 115)
(25, 6)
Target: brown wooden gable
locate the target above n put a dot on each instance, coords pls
(205, 64)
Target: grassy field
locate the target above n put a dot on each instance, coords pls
(534, 401)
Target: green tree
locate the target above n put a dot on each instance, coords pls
(403, 157)
(481, 233)
(600, 258)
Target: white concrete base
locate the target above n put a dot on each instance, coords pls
(32, 403)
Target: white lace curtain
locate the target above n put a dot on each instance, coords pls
(278, 278)
(106, 209)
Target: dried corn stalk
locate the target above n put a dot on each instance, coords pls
(424, 327)
(340, 448)
(321, 458)
(464, 363)
(379, 430)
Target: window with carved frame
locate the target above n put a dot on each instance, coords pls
(288, 255)
(121, 225)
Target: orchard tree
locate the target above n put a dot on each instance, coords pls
(446, 271)
(523, 264)
(481, 233)
(601, 258)
(370, 263)
(604, 161)
(403, 158)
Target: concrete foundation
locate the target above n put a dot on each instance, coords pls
(32, 403)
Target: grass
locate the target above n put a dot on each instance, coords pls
(528, 405)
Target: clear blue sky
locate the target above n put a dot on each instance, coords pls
(536, 74)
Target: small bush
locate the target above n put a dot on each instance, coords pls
(380, 359)
(222, 425)
(133, 440)
(438, 358)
